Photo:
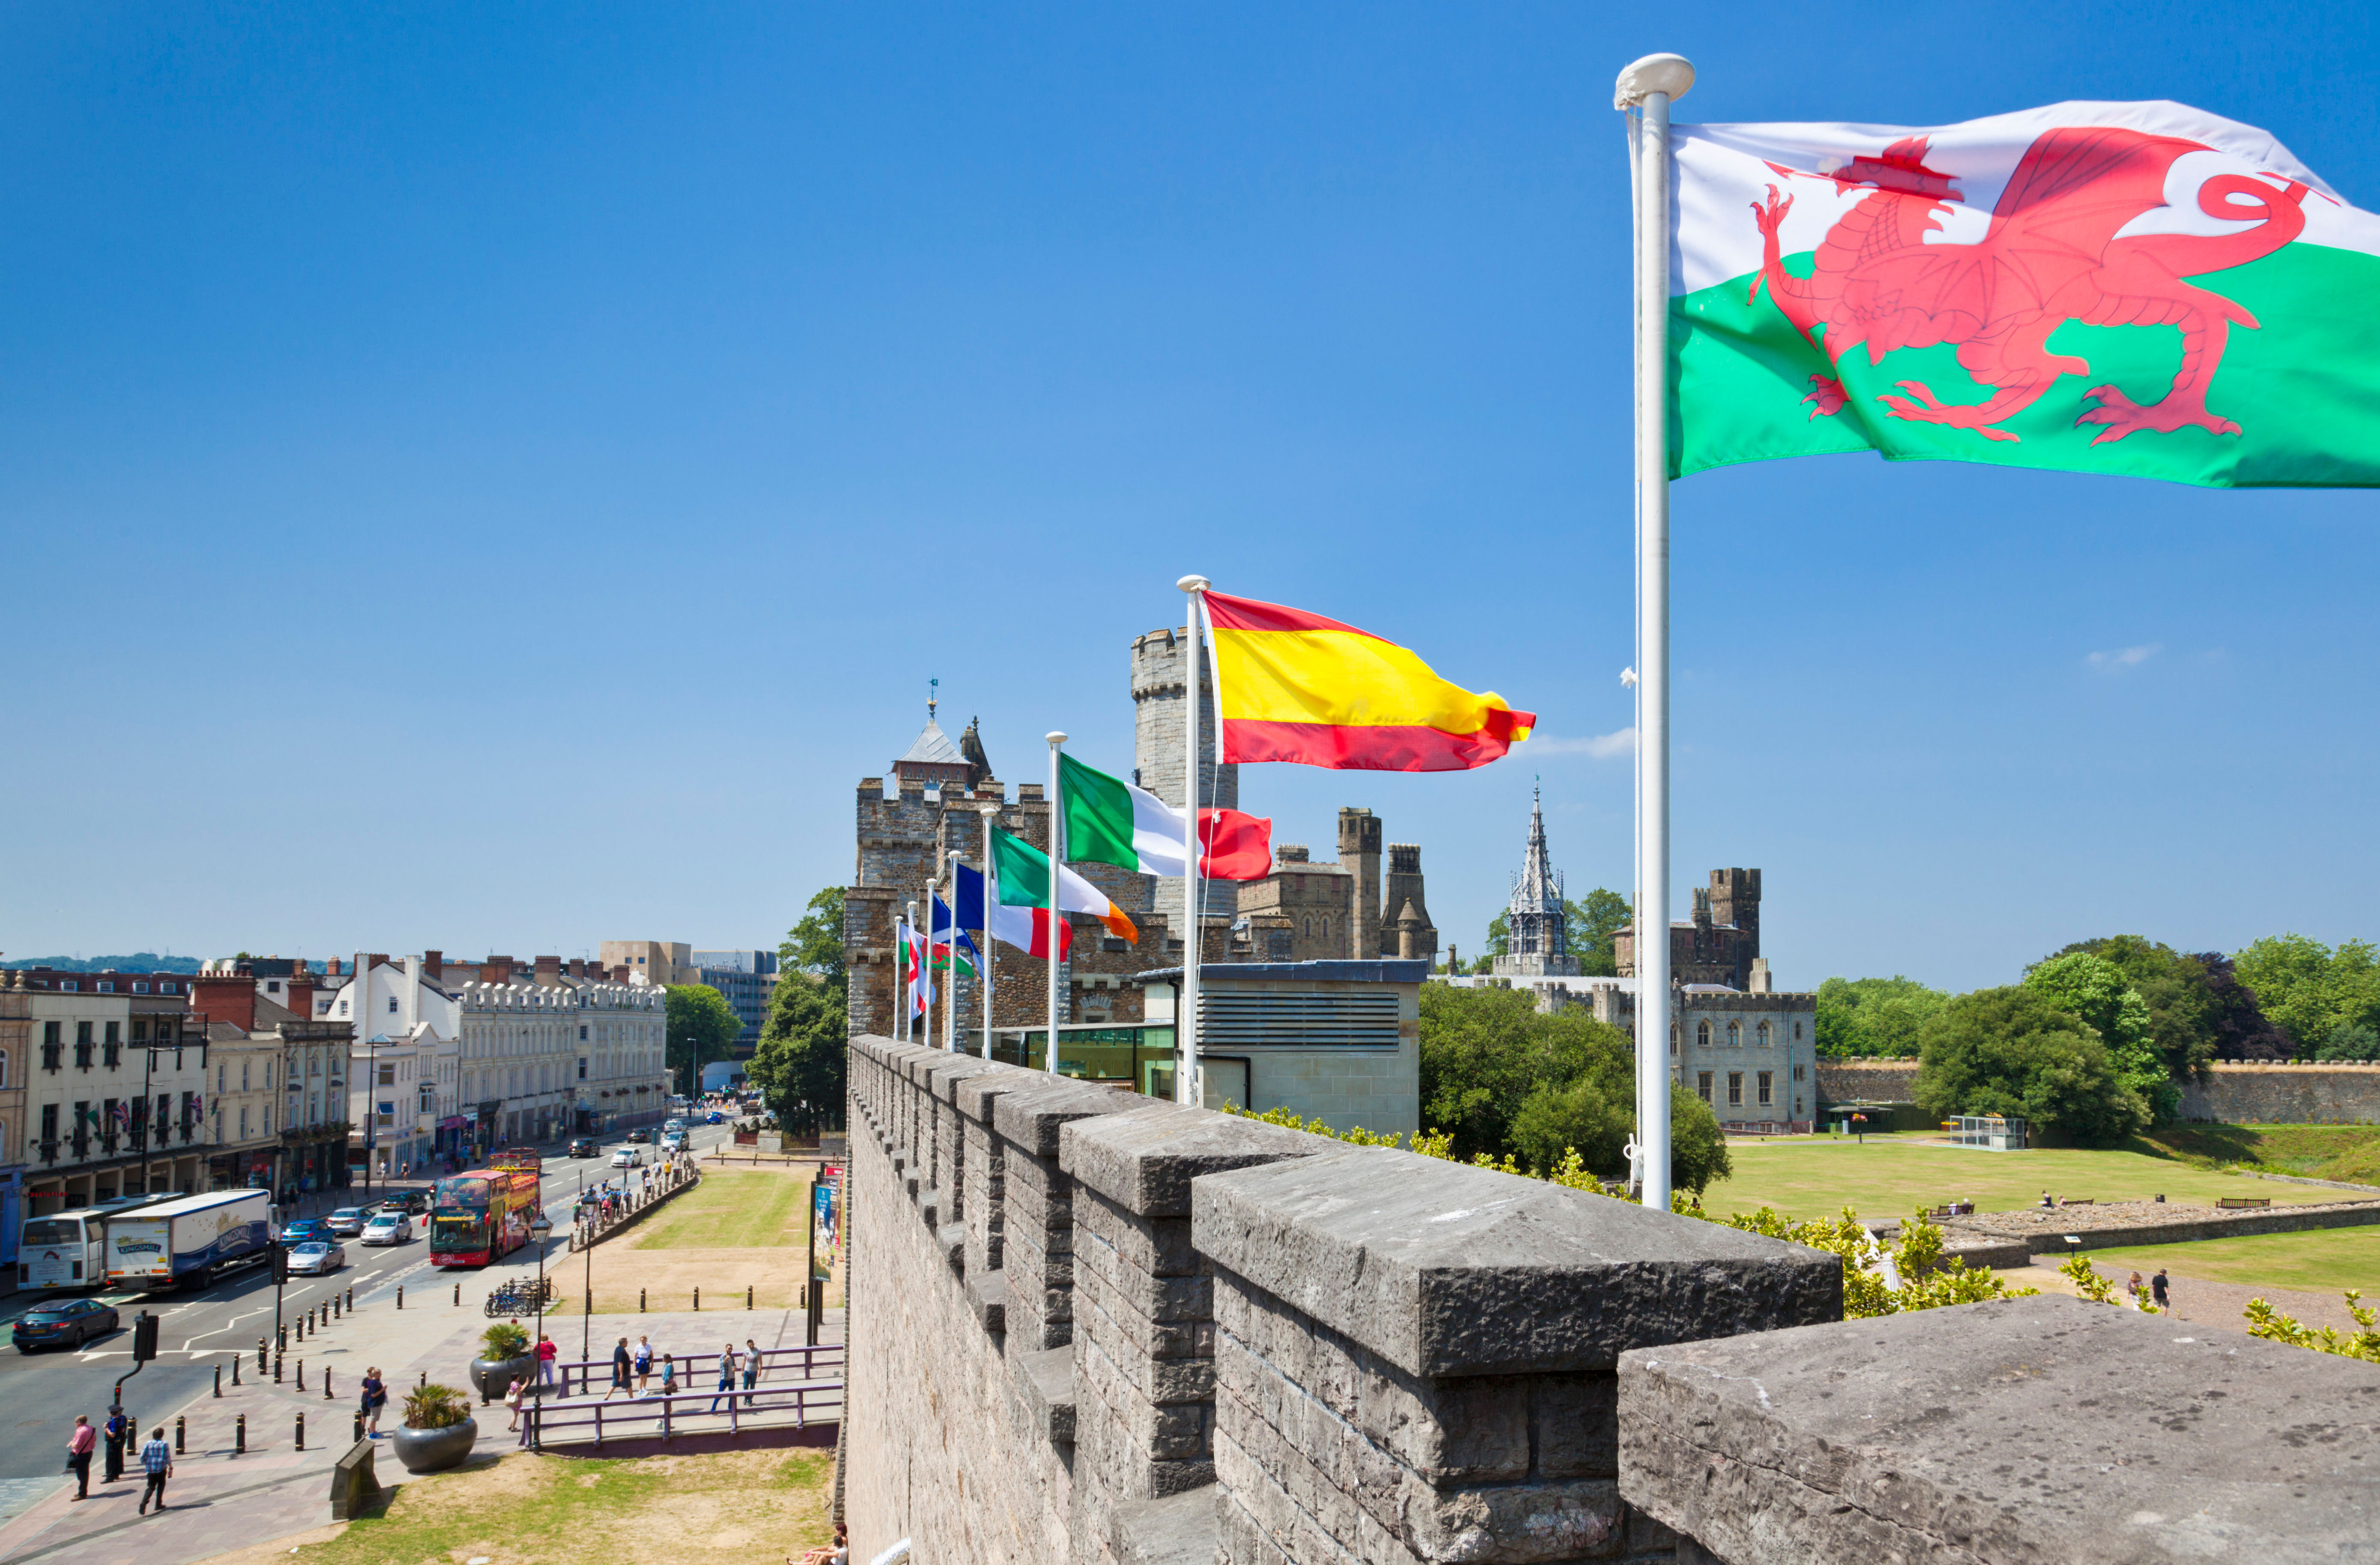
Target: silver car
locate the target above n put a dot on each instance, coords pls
(315, 1257)
(388, 1227)
(347, 1222)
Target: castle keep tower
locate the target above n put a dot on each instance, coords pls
(1405, 928)
(1359, 855)
(1158, 661)
(1538, 919)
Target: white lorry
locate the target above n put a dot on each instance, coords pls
(191, 1241)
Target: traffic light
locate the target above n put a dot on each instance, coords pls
(280, 1264)
(144, 1338)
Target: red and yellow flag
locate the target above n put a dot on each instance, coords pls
(1295, 686)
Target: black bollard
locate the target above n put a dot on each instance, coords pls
(697, 1292)
(179, 1445)
(351, 1299)
(259, 1355)
(239, 1426)
(301, 1373)
(640, 1292)
(458, 1286)
(326, 1382)
(400, 1287)
(335, 1306)
(359, 1417)
(276, 1369)
(425, 1374)
(234, 1367)
(747, 1287)
(235, 1364)
(302, 1431)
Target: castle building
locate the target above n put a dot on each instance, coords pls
(1536, 919)
(1721, 944)
(1347, 911)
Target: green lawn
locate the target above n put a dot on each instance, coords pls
(731, 1211)
(1888, 1176)
(2329, 1262)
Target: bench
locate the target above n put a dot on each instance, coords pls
(2243, 1202)
(353, 1484)
(2077, 1201)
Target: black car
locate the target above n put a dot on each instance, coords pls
(582, 1146)
(641, 1135)
(414, 1202)
(68, 1323)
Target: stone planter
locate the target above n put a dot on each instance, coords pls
(496, 1376)
(434, 1450)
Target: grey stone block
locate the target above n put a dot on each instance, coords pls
(952, 1237)
(1045, 1380)
(1144, 1160)
(2029, 1430)
(1177, 1530)
(988, 1295)
(1445, 1269)
(1031, 1117)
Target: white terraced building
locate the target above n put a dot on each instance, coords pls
(545, 1059)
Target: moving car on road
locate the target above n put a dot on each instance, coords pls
(296, 1233)
(582, 1146)
(674, 1142)
(68, 1323)
(640, 1134)
(347, 1221)
(628, 1158)
(315, 1257)
(389, 1227)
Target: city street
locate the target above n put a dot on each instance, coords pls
(41, 1391)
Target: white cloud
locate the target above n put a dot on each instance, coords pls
(2124, 659)
(1600, 746)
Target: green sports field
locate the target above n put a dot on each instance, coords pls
(2328, 1262)
(1888, 1175)
(732, 1211)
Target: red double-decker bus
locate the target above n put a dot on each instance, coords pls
(481, 1216)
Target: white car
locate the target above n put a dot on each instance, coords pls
(674, 1142)
(388, 1227)
(317, 1257)
(628, 1158)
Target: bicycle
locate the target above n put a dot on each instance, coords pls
(520, 1298)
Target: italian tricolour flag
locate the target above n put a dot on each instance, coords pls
(2133, 288)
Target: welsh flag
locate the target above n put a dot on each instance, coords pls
(1110, 821)
(2143, 289)
(948, 949)
(1022, 871)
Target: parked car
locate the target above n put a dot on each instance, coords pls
(641, 1135)
(628, 1158)
(317, 1257)
(295, 1233)
(347, 1221)
(582, 1146)
(70, 1323)
(388, 1227)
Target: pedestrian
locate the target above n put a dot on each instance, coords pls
(2157, 1289)
(157, 1459)
(513, 1394)
(78, 1446)
(117, 1429)
(620, 1370)
(751, 1364)
(727, 1374)
(546, 1350)
(644, 1356)
(2134, 1288)
(669, 1375)
(375, 1397)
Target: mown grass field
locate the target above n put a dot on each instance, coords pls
(1888, 1175)
(2328, 1262)
(2343, 1152)
(731, 1211)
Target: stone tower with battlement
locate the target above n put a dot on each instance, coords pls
(1359, 855)
(1157, 692)
(1405, 928)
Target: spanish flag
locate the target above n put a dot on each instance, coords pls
(1295, 686)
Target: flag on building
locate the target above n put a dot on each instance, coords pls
(2143, 289)
(1026, 928)
(1295, 686)
(946, 950)
(1022, 871)
(1111, 822)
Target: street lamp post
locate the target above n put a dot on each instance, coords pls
(538, 1229)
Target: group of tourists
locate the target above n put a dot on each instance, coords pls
(157, 1456)
(632, 1370)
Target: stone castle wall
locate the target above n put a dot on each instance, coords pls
(2238, 1094)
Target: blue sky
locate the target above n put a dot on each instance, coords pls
(497, 477)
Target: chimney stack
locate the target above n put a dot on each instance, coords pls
(225, 997)
(433, 965)
(577, 967)
(549, 970)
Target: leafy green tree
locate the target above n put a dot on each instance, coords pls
(2184, 1013)
(1499, 938)
(2310, 990)
(802, 1062)
(1873, 1018)
(1593, 923)
(1485, 1052)
(2096, 990)
(2351, 1040)
(703, 1028)
(1698, 1147)
(2016, 1050)
(815, 945)
(1580, 1116)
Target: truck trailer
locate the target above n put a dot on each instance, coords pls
(192, 1241)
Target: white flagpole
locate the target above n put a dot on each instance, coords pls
(1650, 86)
(989, 811)
(951, 985)
(1185, 1019)
(909, 1011)
(1057, 857)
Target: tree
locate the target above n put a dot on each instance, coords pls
(815, 945)
(1698, 1147)
(1580, 1116)
(2349, 1040)
(2239, 1028)
(2182, 1009)
(1500, 936)
(2016, 1052)
(701, 1028)
(2310, 990)
(1593, 923)
(1485, 1052)
(2095, 990)
(1869, 1018)
(802, 1062)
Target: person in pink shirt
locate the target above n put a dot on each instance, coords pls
(78, 1448)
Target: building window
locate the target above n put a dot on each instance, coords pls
(1760, 1035)
(1767, 1097)
(392, 1005)
(1735, 1035)
(107, 986)
(82, 1046)
(1735, 1090)
(141, 988)
(582, 1062)
(111, 1051)
(582, 1038)
(1797, 1033)
(1702, 1034)
(51, 1047)
(169, 988)
(1702, 1085)
(4, 1069)
(343, 1008)
(69, 984)
(1797, 1105)
(1797, 1074)
(388, 1075)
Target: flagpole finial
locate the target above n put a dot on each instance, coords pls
(1670, 74)
(1055, 738)
(1194, 584)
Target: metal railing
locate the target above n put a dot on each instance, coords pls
(822, 1363)
(809, 1399)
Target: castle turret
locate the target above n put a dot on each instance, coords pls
(1405, 931)
(1359, 855)
(1158, 661)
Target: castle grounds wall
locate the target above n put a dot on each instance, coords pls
(2238, 1094)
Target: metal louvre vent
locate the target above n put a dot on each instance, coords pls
(1229, 1021)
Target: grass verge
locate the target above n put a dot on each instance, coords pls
(731, 1211)
(2330, 1261)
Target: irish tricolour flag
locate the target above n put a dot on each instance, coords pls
(1111, 822)
(2135, 288)
(1022, 871)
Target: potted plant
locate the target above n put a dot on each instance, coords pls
(503, 1358)
(438, 1432)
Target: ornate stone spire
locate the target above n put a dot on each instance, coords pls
(1537, 917)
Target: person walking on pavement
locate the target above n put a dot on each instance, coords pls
(546, 1350)
(621, 1371)
(117, 1429)
(2157, 1290)
(375, 1395)
(157, 1458)
(726, 1375)
(78, 1446)
(644, 1357)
